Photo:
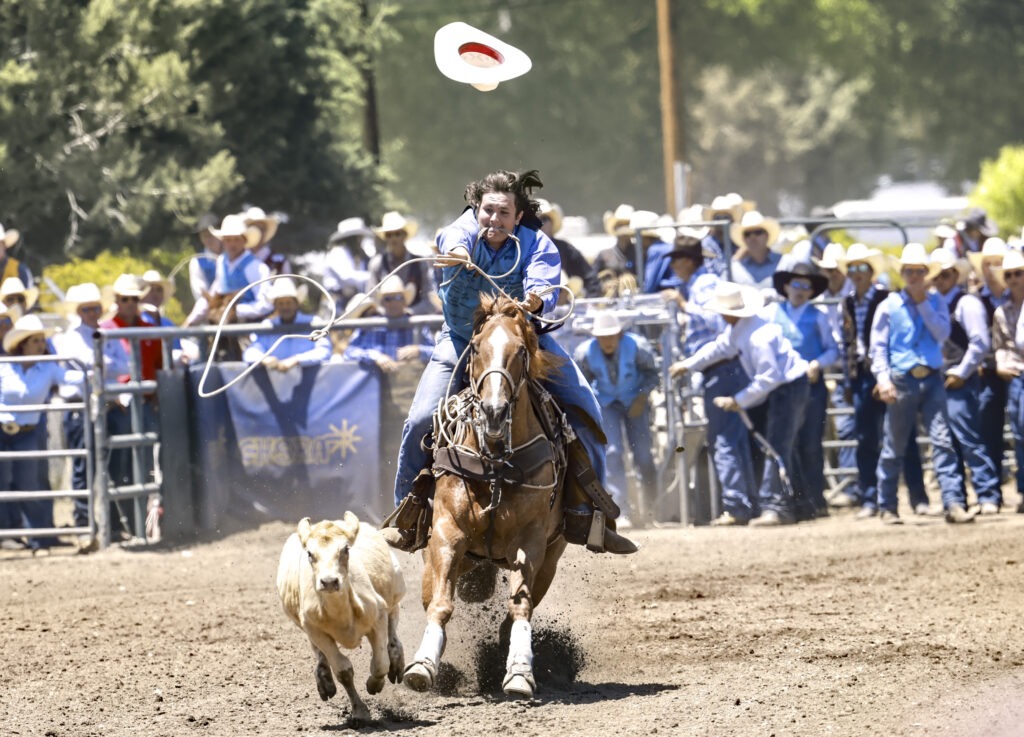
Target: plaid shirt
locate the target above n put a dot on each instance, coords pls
(367, 346)
(1005, 325)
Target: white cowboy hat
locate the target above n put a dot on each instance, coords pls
(153, 278)
(831, 258)
(552, 211)
(266, 223)
(129, 285)
(14, 285)
(944, 259)
(736, 300)
(394, 221)
(281, 289)
(992, 248)
(466, 54)
(646, 221)
(393, 285)
(358, 306)
(914, 254)
(944, 231)
(731, 204)
(753, 220)
(606, 323)
(617, 223)
(82, 294)
(859, 253)
(9, 237)
(25, 327)
(350, 227)
(1013, 260)
(235, 225)
(687, 218)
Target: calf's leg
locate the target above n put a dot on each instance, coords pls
(342, 668)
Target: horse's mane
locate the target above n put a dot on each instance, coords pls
(542, 363)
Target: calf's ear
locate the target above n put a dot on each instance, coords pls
(304, 529)
(350, 525)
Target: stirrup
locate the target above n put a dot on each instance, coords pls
(586, 527)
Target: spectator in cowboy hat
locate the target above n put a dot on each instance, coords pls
(202, 267)
(267, 225)
(236, 269)
(621, 257)
(387, 347)
(807, 327)
(971, 232)
(295, 350)
(777, 382)
(18, 298)
(346, 269)
(729, 207)
(10, 266)
(620, 365)
(758, 262)
(1009, 353)
(394, 230)
(907, 335)
(658, 273)
(963, 353)
(574, 263)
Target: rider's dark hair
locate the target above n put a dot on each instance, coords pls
(519, 185)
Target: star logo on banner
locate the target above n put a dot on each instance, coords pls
(342, 439)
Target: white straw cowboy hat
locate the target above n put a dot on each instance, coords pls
(753, 220)
(617, 222)
(914, 254)
(687, 218)
(235, 225)
(394, 221)
(552, 211)
(9, 237)
(831, 258)
(393, 285)
(944, 231)
(468, 55)
(13, 285)
(606, 323)
(359, 305)
(129, 285)
(993, 248)
(153, 278)
(646, 221)
(349, 228)
(731, 204)
(859, 253)
(736, 300)
(25, 327)
(267, 224)
(282, 288)
(1013, 260)
(78, 295)
(945, 259)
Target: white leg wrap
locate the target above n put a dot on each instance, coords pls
(520, 648)
(432, 644)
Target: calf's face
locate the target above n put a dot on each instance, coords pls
(327, 549)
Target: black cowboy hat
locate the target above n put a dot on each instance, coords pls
(693, 250)
(819, 282)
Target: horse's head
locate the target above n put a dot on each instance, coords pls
(501, 351)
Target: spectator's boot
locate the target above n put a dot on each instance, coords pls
(411, 519)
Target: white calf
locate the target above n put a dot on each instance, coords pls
(339, 582)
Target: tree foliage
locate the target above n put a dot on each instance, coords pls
(1000, 189)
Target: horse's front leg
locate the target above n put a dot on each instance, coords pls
(441, 568)
(519, 681)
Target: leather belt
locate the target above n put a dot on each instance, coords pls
(920, 371)
(716, 364)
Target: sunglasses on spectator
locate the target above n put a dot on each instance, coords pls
(127, 299)
(392, 297)
(14, 298)
(90, 308)
(394, 234)
(1013, 274)
(858, 268)
(915, 271)
(804, 284)
(755, 232)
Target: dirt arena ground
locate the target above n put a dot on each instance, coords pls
(832, 628)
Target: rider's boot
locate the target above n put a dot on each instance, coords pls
(585, 525)
(412, 517)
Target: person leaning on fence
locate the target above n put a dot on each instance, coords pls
(727, 436)
(391, 345)
(500, 205)
(28, 383)
(968, 343)
(293, 351)
(10, 266)
(907, 335)
(621, 368)
(862, 265)
(778, 379)
(756, 264)
(394, 231)
(659, 275)
(574, 263)
(1008, 343)
(807, 328)
(992, 394)
(346, 270)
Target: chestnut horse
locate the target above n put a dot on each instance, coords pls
(498, 497)
(228, 348)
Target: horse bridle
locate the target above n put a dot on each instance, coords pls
(516, 386)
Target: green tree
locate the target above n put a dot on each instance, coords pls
(1000, 189)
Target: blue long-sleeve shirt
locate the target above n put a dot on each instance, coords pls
(934, 316)
(308, 353)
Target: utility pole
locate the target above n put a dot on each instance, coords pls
(371, 123)
(671, 150)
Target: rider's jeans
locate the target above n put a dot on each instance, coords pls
(567, 385)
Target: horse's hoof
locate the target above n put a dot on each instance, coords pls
(418, 677)
(518, 687)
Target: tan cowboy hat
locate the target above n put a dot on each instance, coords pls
(1012, 261)
(552, 211)
(467, 54)
(394, 221)
(617, 222)
(14, 285)
(944, 259)
(358, 306)
(78, 295)
(914, 254)
(267, 224)
(281, 289)
(9, 237)
(992, 248)
(393, 285)
(235, 225)
(606, 323)
(25, 327)
(859, 253)
(129, 285)
(687, 219)
(153, 278)
(831, 258)
(753, 220)
(736, 300)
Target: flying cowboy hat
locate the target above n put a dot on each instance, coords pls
(466, 54)
(24, 328)
(394, 221)
(736, 300)
(235, 225)
(753, 220)
(9, 237)
(13, 286)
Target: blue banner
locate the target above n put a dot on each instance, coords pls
(288, 445)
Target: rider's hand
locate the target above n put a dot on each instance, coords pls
(458, 256)
(532, 303)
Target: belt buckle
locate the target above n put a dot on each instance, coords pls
(919, 371)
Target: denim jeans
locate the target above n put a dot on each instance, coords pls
(730, 441)
(808, 468)
(74, 434)
(926, 397)
(992, 397)
(634, 432)
(786, 407)
(24, 475)
(965, 423)
(1015, 409)
(568, 386)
